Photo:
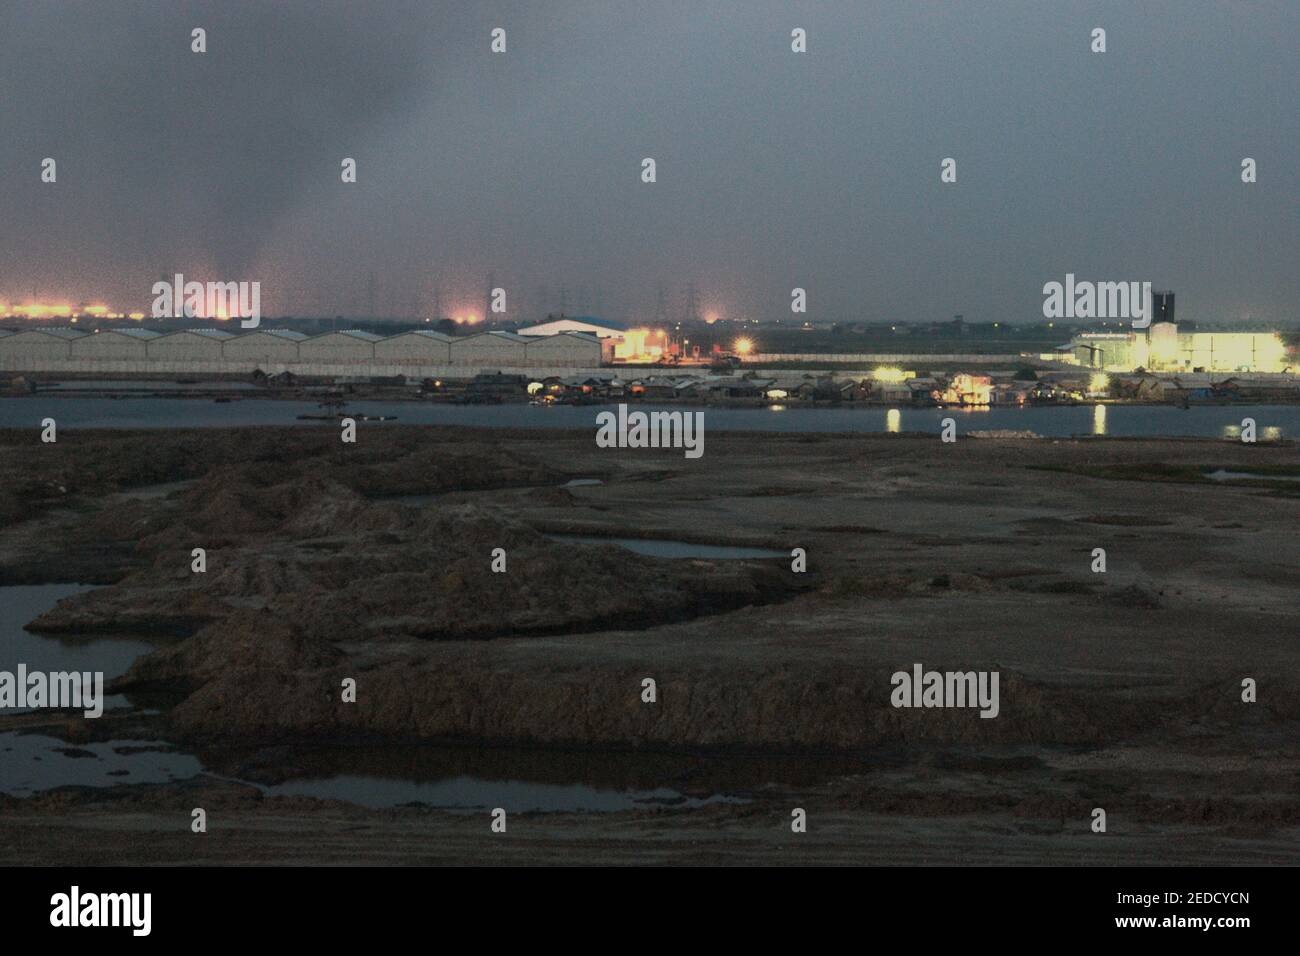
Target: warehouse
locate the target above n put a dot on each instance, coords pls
(489, 350)
(1163, 348)
(119, 345)
(600, 328)
(569, 350)
(421, 347)
(265, 346)
(30, 347)
(190, 345)
(358, 352)
(350, 346)
(1230, 351)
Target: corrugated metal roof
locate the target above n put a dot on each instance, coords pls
(350, 333)
(220, 334)
(425, 333)
(278, 333)
(609, 325)
(503, 336)
(62, 332)
(137, 333)
(580, 336)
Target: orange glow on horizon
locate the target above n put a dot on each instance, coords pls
(54, 310)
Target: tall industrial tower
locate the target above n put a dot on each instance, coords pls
(1162, 307)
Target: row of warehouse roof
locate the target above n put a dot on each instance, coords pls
(281, 346)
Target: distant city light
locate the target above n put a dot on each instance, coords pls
(57, 310)
(744, 346)
(889, 375)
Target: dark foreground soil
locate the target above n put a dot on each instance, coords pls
(1119, 690)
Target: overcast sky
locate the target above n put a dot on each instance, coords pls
(775, 169)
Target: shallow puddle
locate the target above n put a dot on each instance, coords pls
(662, 548)
(1222, 475)
(158, 491)
(20, 604)
(34, 762)
(475, 779)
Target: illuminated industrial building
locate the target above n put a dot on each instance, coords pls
(629, 345)
(966, 389)
(1162, 348)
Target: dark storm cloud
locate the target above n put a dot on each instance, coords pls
(187, 160)
(775, 169)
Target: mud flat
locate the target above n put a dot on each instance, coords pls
(1119, 690)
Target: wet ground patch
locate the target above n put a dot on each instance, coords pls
(1137, 521)
(1266, 476)
(667, 548)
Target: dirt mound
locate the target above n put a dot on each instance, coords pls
(314, 552)
(245, 642)
(448, 468)
(788, 710)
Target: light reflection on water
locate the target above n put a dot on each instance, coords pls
(1099, 420)
(1265, 433)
